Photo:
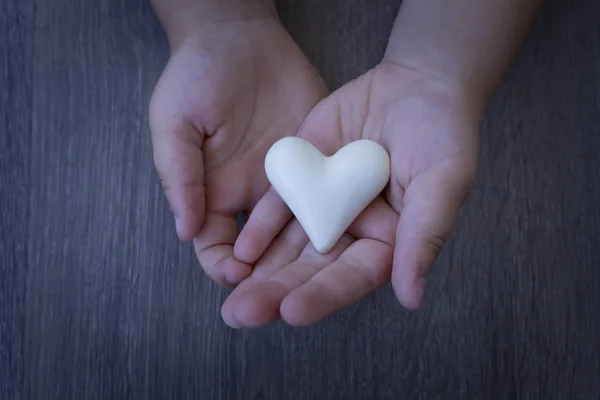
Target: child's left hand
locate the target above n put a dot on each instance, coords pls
(429, 127)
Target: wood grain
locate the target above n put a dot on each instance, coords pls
(16, 42)
(99, 300)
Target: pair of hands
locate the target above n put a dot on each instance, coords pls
(232, 89)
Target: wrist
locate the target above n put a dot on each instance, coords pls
(188, 18)
(423, 80)
(443, 72)
(470, 43)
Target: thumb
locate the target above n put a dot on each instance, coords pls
(431, 203)
(177, 149)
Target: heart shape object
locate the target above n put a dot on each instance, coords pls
(326, 194)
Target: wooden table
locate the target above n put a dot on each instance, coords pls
(99, 300)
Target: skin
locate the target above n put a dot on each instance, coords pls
(235, 83)
(423, 103)
(430, 132)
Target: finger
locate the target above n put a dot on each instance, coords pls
(431, 204)
(177, 149)
(322, 128)
(362, 268)
(285, 249)
(266, 220)
(258, 303)
(214, 249)
(271, 213)
(378, 221)
(315, 300)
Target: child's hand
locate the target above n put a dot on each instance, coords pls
(230, 90)
(429, 127)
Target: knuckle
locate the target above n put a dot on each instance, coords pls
(210, 261)
(212, 270)
(434, 244)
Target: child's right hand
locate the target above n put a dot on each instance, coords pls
(230, 90)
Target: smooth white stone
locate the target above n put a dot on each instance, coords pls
(326, 194)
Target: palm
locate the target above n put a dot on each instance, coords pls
(230, 96)
(432, 149)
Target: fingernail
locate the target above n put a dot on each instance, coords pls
(232, 280)
(177, 224)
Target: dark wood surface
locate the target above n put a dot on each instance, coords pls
(99, 300)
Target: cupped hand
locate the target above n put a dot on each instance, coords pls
(429, 127)
(229, 91)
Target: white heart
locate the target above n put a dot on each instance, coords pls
(326, 194)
